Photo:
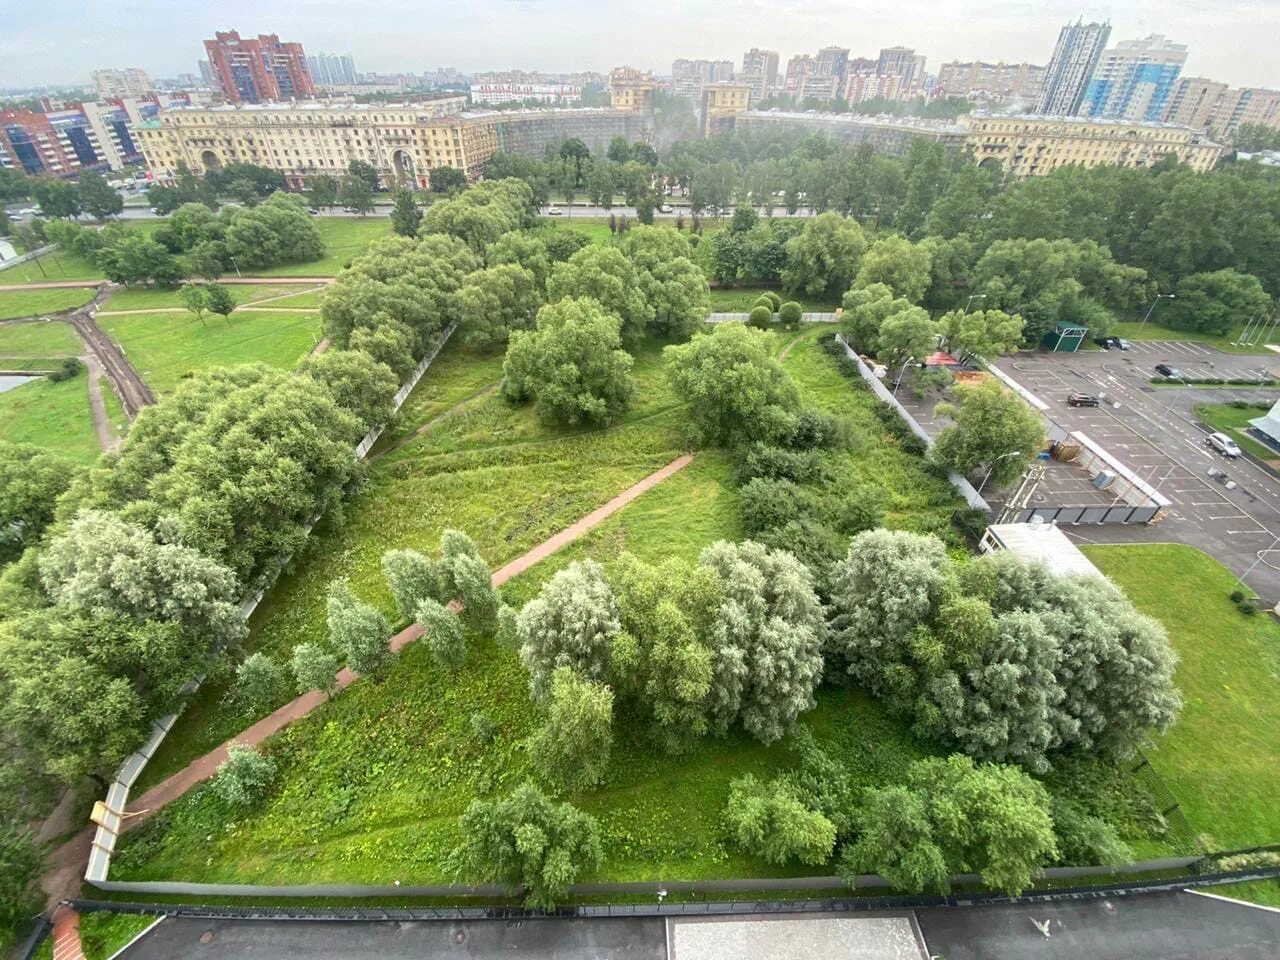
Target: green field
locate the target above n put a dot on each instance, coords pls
(52, 267)
(309, 299)
(1235, 422)
(55, 416)
(344, 238)
(164, 347)
(38, 338)
(1222, 758)
(731, 300)
(1135, 330)
(34, 303)
(146, 299)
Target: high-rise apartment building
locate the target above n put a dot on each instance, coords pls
(130, 82)
(799, 68)
(688, 77)
(332, 69)
(1075, 56)
(257, 70)
(762, 62)
(1219, 109)
(1022, 81)
(903, 63)
(832, 62)
(66, 140)
(863, 85)
(1134, 80)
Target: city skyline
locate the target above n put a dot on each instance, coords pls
(61, 43)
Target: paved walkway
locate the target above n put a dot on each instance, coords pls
(205, 767)
(94, 281)
(66, 934)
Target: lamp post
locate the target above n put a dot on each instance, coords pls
(969, 302)
(991, 469)
(1152, 308)
(901, 370)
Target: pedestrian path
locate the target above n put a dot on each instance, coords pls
(205, 767)
(66, 934)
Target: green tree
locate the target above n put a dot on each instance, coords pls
(443, 632)
(98, 198)
(357, 629)
(524, 250)
(744, 220)
(195, 297)
(356, 193)
(600, 185)
(260, 684)
(357, 382)
(571, 749)
(991, 423)
(365, 172)
(983, 333)
(790, 314)
(244, 778)
(496, 301)
(571, 364)
(769, 821)
(572, 622)
(464, 575)
(733, 384)
(900, 265)
(1217, 302)
(530, 840)
(906, 334)
(824, 258)
(132, 258)
(314, 668)
(605, 275)
(31, 481)
(20, 866)
(322, 190)
(412, 578)
(406, 216)
(447, 180)
(760, 317)
(58, 199)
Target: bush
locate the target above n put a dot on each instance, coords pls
(314, 668)
(863, 510)
(443, 633)
(1085, 840)
(20, 865)
(1238, 596)
(1247, 608)
(790, 313)
(260, 684)
(244, 778)
(814, 429)
(775, 301)
(777, 463)
(972, 522)
(913, 445)
(764, 301)
(766, 504)
(571, 749)
(65, 370)
(760, 317)
(768, 821)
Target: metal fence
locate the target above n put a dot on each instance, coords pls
(1179, 828)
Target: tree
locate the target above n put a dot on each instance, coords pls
(206, 259)
(357, 629)
(734, 386)
(530, 840)
(906, 334)
(412, 578)
(243, 191)
(365, 172)
(605, 275)
(259, 685)
(464, 575)
(744, 220)
(525, 250)
(824, 258)
(571, 749)
(244, 778)
(98, 198)
(769, 821)
(575, 151)
(950, 816)
(406, 216)
(356, 194)
(447, 180)
(31, 481)
(1217, 302)
(983, 333)
(57, 198)
(760, 317)
(619, 150)
(219, 300)
(600, 185)
(766, 503)
(132, 258)
(571, 365)
(20, 866)
(322, 190)
(314, 668)
(899, 264)
(195, 298)
(357, 382)
(790, 314)
(572, 622)
(993, 427)
(496, 301)
(443, 633)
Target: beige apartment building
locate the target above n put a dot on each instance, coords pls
(1033, 146)
(720, 103)
(1220, 109)
(402, 142)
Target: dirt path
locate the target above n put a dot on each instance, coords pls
(320, 347)
(205, 767)
(97, 406)
(436, 420)
(133, 392)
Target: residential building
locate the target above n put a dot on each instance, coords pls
(688, 77)
(129, 82)
(332, 69)
(507, 91)
(1134, 80)
(831, 62)
(76, 137)
(820, 87)
(207, 77)
(762, 62)
(720, 103)
(1002, 81)
(632, 90)
(892, 135)
(258, 70)
(1075, 56)
(903, 63)
(863, 85)
(1219, 109)
(1028, 146)
(799, 68)
(402, 141)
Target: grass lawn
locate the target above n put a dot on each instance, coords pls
(103, 934)
(54, 416)
(1135, 330)
(344, 238)
(732, 300)
(39, 338)
(144, 298)
(1265, 892)
(311, 298)
(166, 346)
(1222, 758)
(116, 417)
(56, 266)
(32, 303)
(1234, 421)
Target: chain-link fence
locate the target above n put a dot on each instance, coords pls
(1182, 836)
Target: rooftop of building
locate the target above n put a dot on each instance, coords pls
(1042, 543)
(883, 119)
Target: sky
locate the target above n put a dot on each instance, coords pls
(61, 41)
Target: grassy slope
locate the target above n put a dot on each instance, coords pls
(165, 346)
(57, 267)
(147, 299)
(38, 339)
(55, 416)
(103, 934)
(32, 303)
(1222, 758)
(728, 300)
(1235, 422)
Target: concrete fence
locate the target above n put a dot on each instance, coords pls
(734, 317)
(108, 831)
(24, 257)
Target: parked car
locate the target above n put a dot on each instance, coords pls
(1082, 400)
(1170, 373)
(1223, 444)
(555, 212)
(350, 210)
(314, 211)
(1106, 343)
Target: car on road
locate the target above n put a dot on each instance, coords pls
(14, 217)
(28, 211)
(1170, 373)
(1223, 444)
(350, 210)
(1082, 400)
(555, 212)
(1106, 343)
(314, 211)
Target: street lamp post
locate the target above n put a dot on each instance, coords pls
(236, 265)
(991, 469)
(969, 302)
(901, 370)
(1152, 308)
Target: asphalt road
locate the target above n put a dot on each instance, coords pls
(1153, 431)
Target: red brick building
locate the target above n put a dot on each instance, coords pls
(255, 70)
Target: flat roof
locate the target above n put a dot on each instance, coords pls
(1043, 543)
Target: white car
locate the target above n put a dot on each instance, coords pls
(1223, 444)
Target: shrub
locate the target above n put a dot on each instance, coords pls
(1238, 596)
(863, 510)
(760, 317)
(766, 504)
(244, 778)
(1247, 608)
(777, 463)
(314, 668)
(913, 445)
(790, 314)
(971, 522)
(764, 301)
(357, 629)
(767, 820)
(260, 684)
(65, 370)
(20, 865)
(482, 728)
(775, 301)
(411, 578)
(443, 633)
(571, 749)
(1085, 840)
(813, 429)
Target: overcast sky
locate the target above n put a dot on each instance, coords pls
(61, 41)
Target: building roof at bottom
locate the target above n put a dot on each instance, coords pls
(1043, 543)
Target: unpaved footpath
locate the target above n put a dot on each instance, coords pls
(133, 392)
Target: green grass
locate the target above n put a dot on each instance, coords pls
(164, 347)
(344, 238)
(33, 303)
(1135, 330)
(310, 299)
(54, 416)
(150, 299)
(103, 934)
(730, 300)
(116, 417)
(1265, 892)
(38, 339)
(1235, 422)
(57, 266)
(1222, 758)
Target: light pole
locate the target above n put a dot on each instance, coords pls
(1152, 308)
(901, 370)
(969, 302)
(234, 264)
(990, 469)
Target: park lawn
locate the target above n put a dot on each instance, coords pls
(1135, 330)
(741, 300)
(310, 298)
(39, 339)
(53, 416)
(103, 933)
(344, 238)
(60, 265)
(164, 347)
(1222, 758)
(150, 298)
(1234, 421)
(33, 303)
(1264, 892)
